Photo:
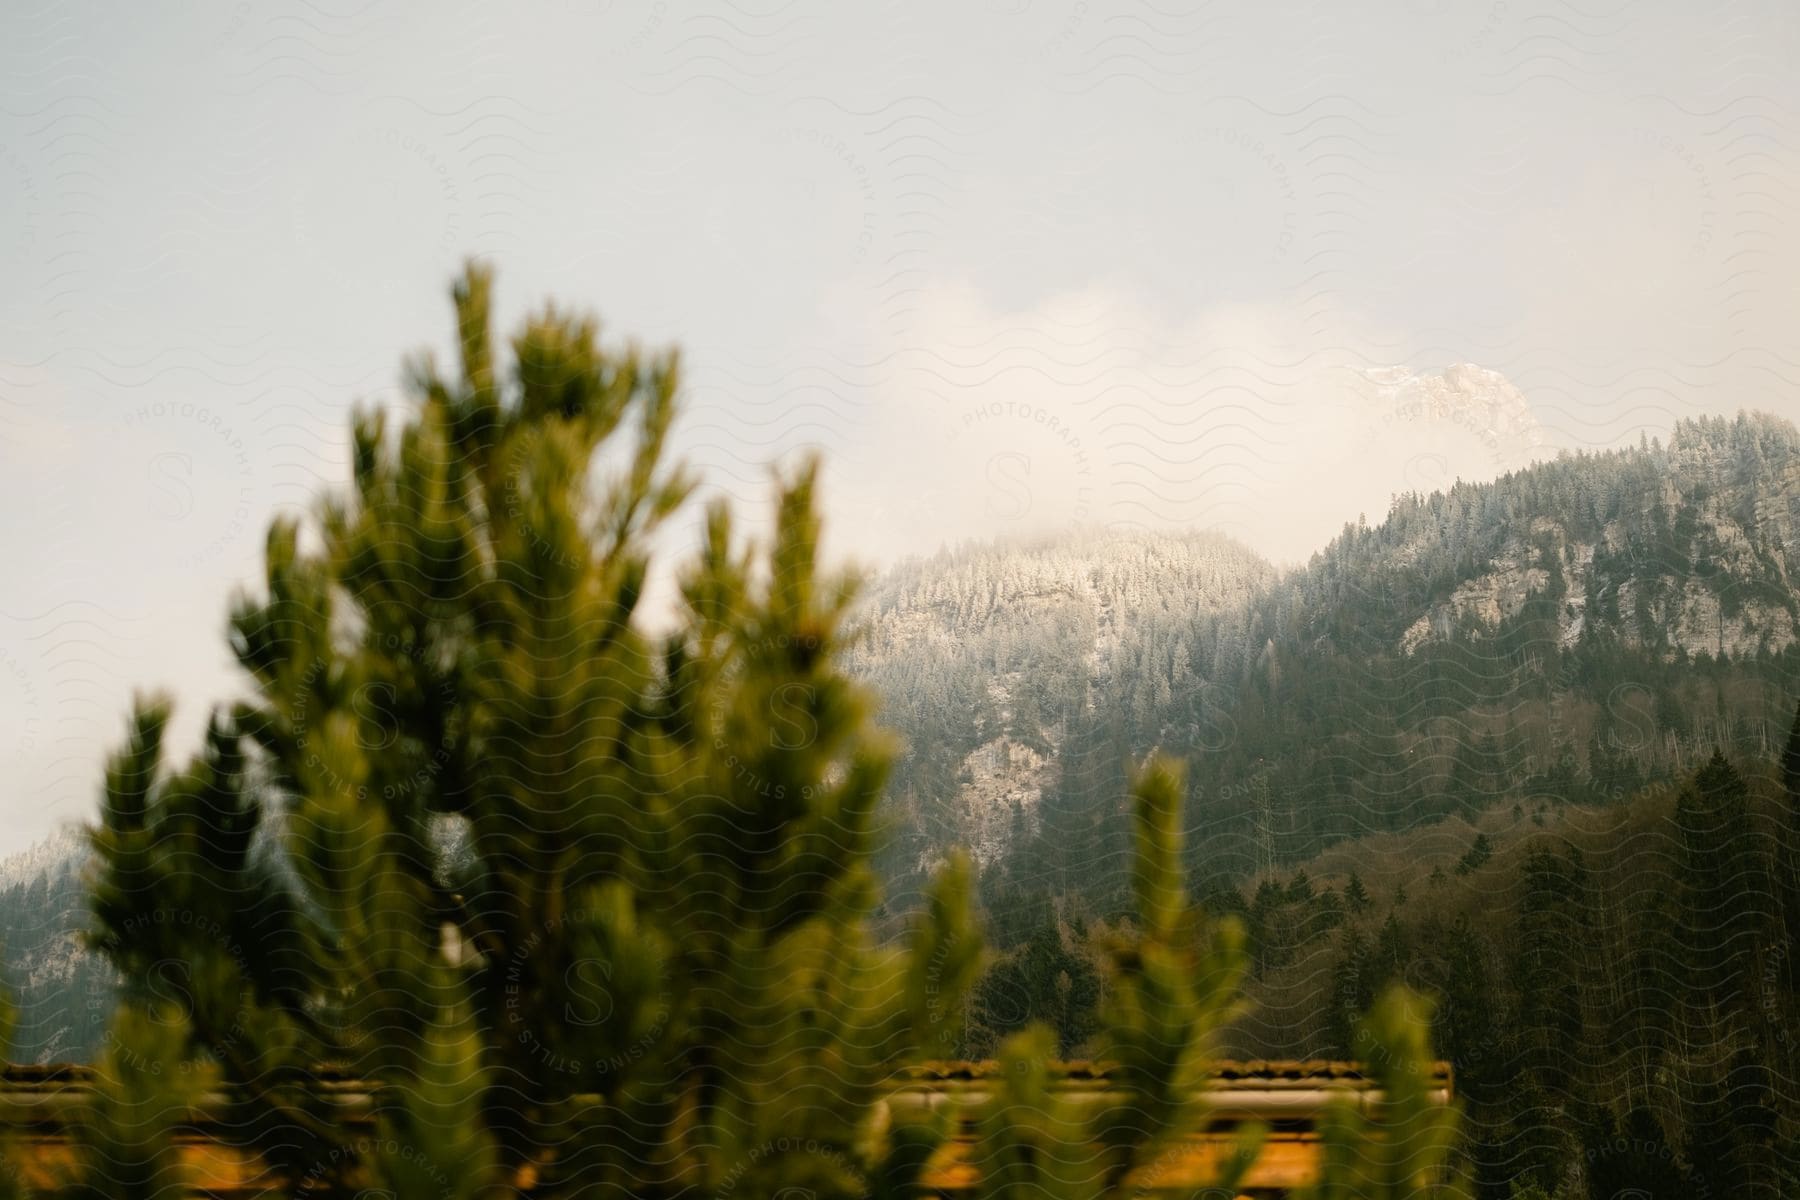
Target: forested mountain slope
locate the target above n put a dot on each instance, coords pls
(987, 657)
(63, 993)
(1616, 986)
(1570, 632)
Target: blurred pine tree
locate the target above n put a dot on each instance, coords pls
(590, 910)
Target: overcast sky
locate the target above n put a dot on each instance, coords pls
(1010, 265)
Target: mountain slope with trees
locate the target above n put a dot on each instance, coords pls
(60, 992)
(989, 656)
(1566, 633)
(1618, 991)
(1616, 984)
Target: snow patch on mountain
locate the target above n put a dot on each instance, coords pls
(63, 851)
(1702, 569)
(983, 654)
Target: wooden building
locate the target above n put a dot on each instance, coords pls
(37, 1103)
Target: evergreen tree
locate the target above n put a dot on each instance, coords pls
(1547, 969)
(480, 842)
(1172, 987)
(1468, 1019)
(1477, 855)
(146, 1083)
(1787, 868)
(1300, 889)
(1790, 762)
(590, 912)
(1401, 1147)
(1352, 990)
(1730, 909)
(1391, 951)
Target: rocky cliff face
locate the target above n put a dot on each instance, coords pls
(1695, 556)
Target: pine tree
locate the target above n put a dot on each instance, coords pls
(1546, 972)
(480, 842)
(1476, 857)
(1391, 951)
(1173, 986)
(589, 912)
(146, 1084)
(1300, 889)
(1787, 863)
(1469, 1018)
(1790, 762)
(1402, 1147)
(1352, 990)
(1356, 895)
(1730, 910)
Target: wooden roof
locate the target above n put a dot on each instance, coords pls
(37, 1102)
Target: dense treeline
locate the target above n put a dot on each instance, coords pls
(1619, 1000)
(1618, 987)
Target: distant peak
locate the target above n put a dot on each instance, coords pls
(1465, 376)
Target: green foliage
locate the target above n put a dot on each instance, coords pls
(1173, 986)
(1402, 1148)
(1029, 1142)
(1171, 993)
(591, 912)
(1733, 905)
(1787, 857)
(1053, 976)
(1613, 996)
(145, 1085)
(1477, 855)
(440, 1109)
(949, 946)
(479, 840)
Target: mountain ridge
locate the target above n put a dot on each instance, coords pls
(1568, 607)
